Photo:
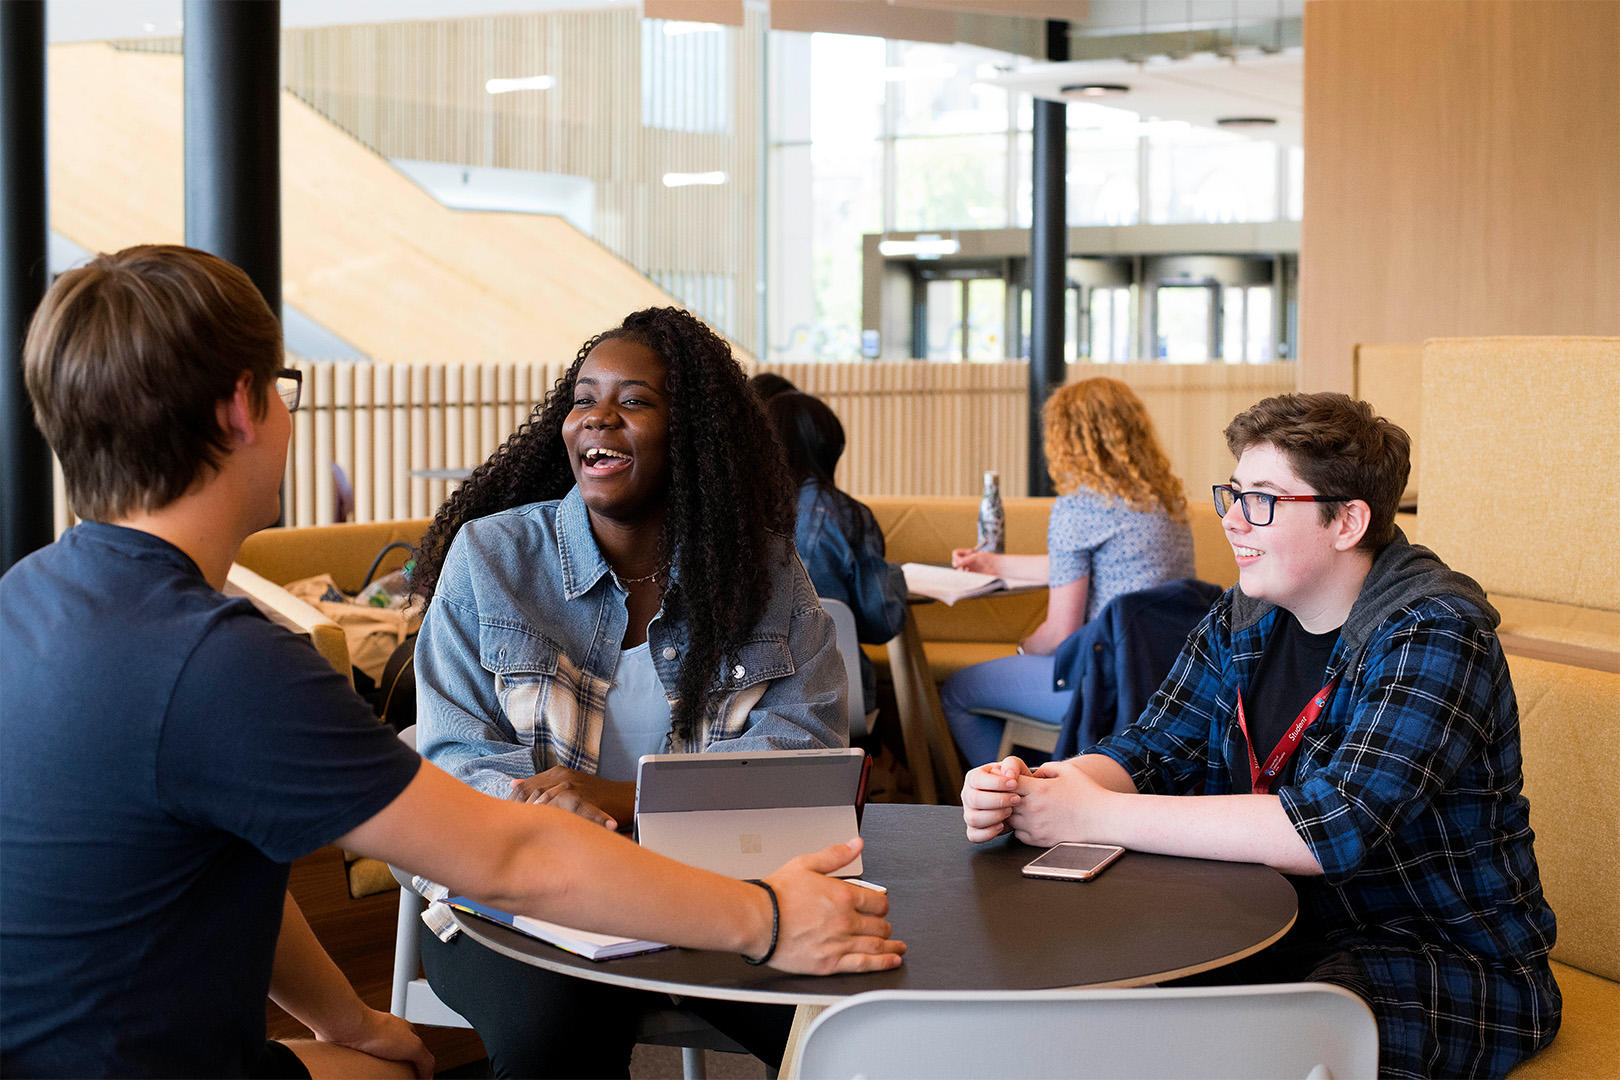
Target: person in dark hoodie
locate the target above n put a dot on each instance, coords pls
(1346, 715)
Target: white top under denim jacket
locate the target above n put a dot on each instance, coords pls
(519, 646)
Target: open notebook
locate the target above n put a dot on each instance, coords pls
(579, 942)
(948, 586)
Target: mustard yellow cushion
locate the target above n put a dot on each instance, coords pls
(344, 551)
(367, 876)
(1571, 741)
(1588, 1039)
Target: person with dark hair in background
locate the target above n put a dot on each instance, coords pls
(837, 536)
(767, 384)
(1344, 715)
(169, 750)
(616, 580)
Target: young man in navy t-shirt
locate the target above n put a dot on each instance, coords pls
(168, 751)
(1343, 715)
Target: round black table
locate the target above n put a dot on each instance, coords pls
(971, 921)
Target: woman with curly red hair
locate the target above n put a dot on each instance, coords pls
(1119, 525)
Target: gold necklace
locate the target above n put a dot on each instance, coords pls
(662, 569)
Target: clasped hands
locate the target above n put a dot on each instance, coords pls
(605, 802)
(1046, 806)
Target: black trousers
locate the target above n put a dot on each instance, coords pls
(537, 1023)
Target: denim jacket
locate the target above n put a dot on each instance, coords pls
(519, 647)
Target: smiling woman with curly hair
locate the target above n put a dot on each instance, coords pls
(1119, 525)
(618, 579)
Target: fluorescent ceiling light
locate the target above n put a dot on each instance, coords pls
(922, 247)
(507, 86)
(688, 179)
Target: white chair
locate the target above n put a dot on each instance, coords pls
(1021, 730)
(849, 648)
(414, 999)
(1309, 1031)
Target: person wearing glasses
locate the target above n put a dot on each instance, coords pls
(1119, 525)
(169, 751)
(1344, 715)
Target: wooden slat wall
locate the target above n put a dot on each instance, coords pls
(913, 428)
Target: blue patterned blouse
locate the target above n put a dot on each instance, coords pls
(1124, 550)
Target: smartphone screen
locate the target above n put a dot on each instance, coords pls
(1073, 862)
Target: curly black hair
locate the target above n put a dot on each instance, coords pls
(728, 490)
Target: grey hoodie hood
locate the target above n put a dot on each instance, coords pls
(1401, 573)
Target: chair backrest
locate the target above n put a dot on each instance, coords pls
(849, 649)
(1284, 1030)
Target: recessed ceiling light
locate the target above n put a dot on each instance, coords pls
(1094, 89)
(1246, 121)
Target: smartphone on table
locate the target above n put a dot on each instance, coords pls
(1073, 862)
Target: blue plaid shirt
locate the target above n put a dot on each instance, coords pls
(1407, 790)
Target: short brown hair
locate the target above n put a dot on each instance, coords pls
(126, 360)
(1337, 445)
(1098, 435)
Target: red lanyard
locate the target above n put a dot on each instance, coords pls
(1260, 779)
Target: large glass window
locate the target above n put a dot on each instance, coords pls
(1110, 311)
(868, 136)
(1199, 175)
(1246, 336)
(1184, 323)
(952, 182)
(987, 319)
(685, 76)
(944, 319)
(935, 90)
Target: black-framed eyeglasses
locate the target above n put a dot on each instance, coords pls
(290, 385)
(1260, 506)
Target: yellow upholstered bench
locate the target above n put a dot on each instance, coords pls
(1571, 745)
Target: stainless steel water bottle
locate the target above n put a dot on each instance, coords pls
(992, 518)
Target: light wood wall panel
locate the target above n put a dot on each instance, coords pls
(1462, 173)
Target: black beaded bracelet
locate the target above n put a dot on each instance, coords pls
(776, 923)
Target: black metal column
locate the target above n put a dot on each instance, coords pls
(25, 460)
(1048, 258)
(233, 136)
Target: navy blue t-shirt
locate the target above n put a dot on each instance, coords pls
(167, 751)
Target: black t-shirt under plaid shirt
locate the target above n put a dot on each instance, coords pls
(1293, 667)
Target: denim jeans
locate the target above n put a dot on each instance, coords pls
(1020, 684)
